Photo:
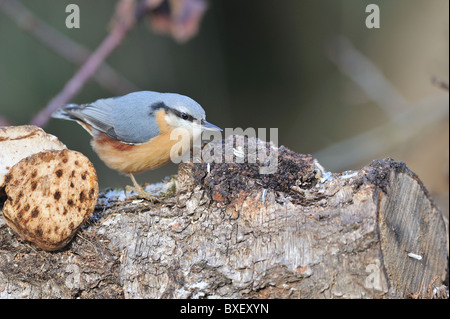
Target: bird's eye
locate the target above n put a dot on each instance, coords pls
(184, 116)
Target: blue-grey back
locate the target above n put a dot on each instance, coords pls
(130, 118)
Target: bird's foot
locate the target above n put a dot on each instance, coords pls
(141, 193)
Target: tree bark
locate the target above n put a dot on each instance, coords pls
(231, 232)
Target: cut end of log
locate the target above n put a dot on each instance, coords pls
(412, 230)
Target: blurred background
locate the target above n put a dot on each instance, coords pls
(334, 88)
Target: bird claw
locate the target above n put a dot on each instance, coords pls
(141, 193)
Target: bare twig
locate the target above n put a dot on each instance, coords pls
(406, 120)
(123, 23)
(374, 142)
(64, 46)
(363, 72)
(126, 14)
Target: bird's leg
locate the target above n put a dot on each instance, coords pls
(139, 190)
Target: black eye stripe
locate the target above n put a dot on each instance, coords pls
(182, 115)
(160, 105)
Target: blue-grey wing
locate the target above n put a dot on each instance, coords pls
(127, 118)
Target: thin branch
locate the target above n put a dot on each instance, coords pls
(368, 145)
(64, 46)
(123, 24)
(406, 120)
(366, 75)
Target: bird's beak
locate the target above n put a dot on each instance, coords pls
(210, 127)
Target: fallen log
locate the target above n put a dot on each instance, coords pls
(224, 230)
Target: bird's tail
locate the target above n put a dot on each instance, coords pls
(62, 114)
(68, 112)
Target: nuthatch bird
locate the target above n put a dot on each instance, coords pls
(132, 133)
